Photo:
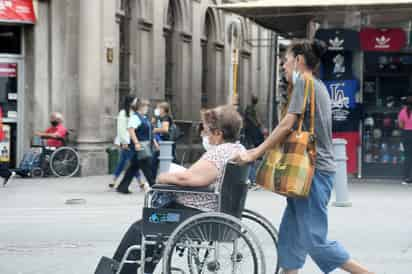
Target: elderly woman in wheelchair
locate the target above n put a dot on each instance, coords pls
(194, 220)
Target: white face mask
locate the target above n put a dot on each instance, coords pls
(206, 144)
(157, 112)
(295, 73)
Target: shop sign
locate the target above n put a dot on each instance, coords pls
(389, 40)
(17, 11)
(339, 39)
(8, 70)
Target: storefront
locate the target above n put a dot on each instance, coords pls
(368, 75)
(367, 70)
(13, 16)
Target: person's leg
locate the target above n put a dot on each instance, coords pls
(4, 171)
(132, 237)
(407, 143)
(354, 267)
(146, 166)
(121, 164)
(128, 177)
(291, 252)
(313, 225)
(155, 162)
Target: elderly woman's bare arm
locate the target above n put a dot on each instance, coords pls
(201, 174)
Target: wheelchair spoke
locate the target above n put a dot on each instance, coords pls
(215, 247)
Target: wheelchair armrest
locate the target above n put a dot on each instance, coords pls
(175, 188)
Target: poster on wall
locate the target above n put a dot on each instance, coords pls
(5, 145)
(21, 11)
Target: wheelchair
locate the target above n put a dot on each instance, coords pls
(63, 161)
(229, 240)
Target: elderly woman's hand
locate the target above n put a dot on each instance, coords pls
(246, 157)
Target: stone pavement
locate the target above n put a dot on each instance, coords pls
(40, 234)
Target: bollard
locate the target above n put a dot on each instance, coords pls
(166, 148)
(165, 156)
(341, 178)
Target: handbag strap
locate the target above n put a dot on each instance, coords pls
(309, 84)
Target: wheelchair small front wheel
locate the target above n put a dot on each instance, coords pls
(64, 162)
(213, 243)
(37, 172)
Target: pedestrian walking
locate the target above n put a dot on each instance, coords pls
(163, 123)
(140, 131)
(123, 140)
(5, 173)
(304, 227)
(253, 135)
(405, 123)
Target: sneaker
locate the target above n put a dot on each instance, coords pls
(145, 187)
(10, 177)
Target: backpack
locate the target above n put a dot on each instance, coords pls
(174, 132)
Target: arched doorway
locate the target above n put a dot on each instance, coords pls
(124, 50)
(205, 43)
(210, 91)
(170, 66)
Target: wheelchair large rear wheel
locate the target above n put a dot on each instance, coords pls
(213, 243)
(268, 238)
(64, 162)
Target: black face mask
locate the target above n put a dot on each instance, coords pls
(54, 123)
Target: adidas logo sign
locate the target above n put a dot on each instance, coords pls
(382, 42)
(336, 44)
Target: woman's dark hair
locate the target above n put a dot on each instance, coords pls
(127, 103)
(226, 119)
(311, 50)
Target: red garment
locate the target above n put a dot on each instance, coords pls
(382, 39)
(61, 132)
(1, 125)
(353, 139)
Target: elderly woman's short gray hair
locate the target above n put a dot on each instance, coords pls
(58, 116)
(226, 119)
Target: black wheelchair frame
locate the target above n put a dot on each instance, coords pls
(63, 161)
(178, 231)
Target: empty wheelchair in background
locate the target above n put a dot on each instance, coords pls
(42, 161)
(188, 241)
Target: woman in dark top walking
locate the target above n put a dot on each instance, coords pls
(140, 130)
(163, 122)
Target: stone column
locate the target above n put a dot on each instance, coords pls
(90, 140)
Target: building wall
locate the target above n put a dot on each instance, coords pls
(67, 69)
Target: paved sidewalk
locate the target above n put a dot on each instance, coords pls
(40, 234)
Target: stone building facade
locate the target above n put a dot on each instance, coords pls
(82, 57)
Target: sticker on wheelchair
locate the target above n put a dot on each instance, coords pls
(163, 220)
